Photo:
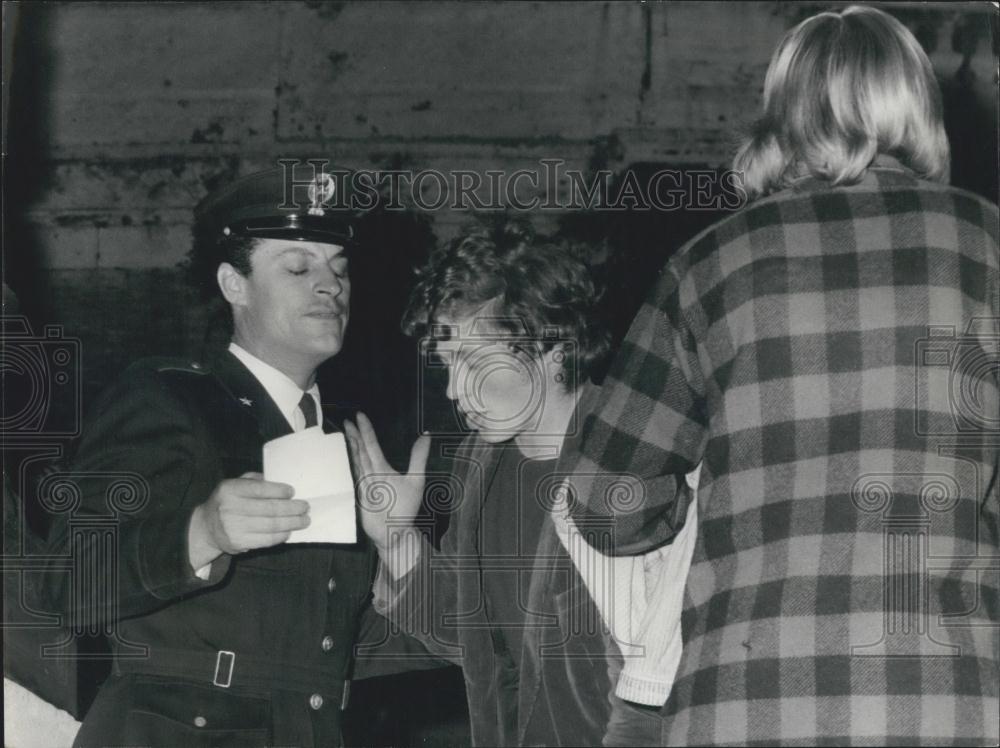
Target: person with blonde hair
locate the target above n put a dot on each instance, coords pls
(841, 90)
(829, 355)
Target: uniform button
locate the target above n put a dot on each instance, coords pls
(331, 584)
(327, 643)
(200, 721)
(316, 701)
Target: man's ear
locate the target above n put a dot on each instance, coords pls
(232, 283)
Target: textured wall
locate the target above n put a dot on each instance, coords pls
(147, 104)
(126, 114)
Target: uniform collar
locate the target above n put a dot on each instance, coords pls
(281, 389)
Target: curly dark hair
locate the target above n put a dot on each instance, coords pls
(542, 289)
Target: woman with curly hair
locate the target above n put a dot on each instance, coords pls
(536, 620)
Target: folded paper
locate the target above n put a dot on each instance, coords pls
(316, 466)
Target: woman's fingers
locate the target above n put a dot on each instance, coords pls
(418, 455)
(370, 442)
(358, 451)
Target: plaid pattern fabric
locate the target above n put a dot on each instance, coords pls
(831, 356)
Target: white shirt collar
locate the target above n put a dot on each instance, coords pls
(283, 391)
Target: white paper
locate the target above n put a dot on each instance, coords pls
(316, 466)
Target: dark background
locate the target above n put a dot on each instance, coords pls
(119, 117)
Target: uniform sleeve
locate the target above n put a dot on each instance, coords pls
(141, 462)
(641, 433)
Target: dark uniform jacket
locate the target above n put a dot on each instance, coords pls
(567, 668)
(258, 654)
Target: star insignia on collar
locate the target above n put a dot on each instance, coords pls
(246, 401)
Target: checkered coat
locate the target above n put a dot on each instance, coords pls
(830, 355)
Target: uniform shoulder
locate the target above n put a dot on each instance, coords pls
(163, 377)
(169, 365)
(173, 363)
(149, 391)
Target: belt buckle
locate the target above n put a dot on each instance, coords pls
(224, 662)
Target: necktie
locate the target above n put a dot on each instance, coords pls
(308, 407)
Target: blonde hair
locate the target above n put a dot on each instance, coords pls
(841, 89)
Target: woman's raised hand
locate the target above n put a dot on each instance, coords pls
(388, 500)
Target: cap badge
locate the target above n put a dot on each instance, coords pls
(321, 191)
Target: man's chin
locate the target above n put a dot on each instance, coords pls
(323, 347)
(329, 340)
(329, 348)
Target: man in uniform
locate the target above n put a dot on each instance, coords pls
(248, 641)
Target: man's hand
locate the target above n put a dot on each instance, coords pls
(387, 499)
(241, 514)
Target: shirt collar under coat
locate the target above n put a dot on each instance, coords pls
(282, 390)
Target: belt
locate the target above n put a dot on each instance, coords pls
(225, 669)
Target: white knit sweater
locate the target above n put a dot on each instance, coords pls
(640, 599)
